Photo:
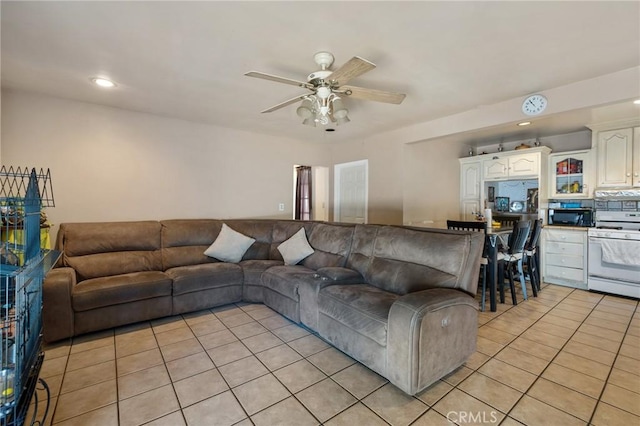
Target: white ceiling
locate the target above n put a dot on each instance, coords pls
(187, 59)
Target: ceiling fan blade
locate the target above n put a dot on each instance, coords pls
(373, 94)
(354, 67)
(277, 79)
(284, 104)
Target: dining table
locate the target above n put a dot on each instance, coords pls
(495, 238)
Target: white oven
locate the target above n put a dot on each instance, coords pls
(614, 253)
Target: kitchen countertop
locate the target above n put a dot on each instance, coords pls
(570, 228)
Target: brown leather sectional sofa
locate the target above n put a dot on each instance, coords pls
(400, 300)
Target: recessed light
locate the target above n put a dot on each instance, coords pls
(524, 123)
(637, 102)
(102, 82)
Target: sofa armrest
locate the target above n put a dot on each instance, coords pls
(339, 275)
(430, 333)
(308, 290)
(57, 310)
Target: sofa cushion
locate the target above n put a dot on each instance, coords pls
(253, 269)
(230, 245)
(187, 279)
(285, 279)
(361, 307)
(78, 239)
(100, 265)
(260, 230)
(331, 243)
(295, 248)
(406, 260)
(185, 240)
(113, 290)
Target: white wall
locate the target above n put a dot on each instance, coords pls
(385, 175)
(113, 164)
(432, 183)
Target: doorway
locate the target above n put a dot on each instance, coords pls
(319, 192)
(351, 183)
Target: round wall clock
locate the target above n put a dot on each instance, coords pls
(534, 104)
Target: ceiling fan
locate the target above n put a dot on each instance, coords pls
(324, 104)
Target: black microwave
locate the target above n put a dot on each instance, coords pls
(571, 217)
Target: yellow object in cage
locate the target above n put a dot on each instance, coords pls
(16, 236)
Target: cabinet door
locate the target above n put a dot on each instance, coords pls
(470, 208)
(470, 181)
(615, 157)
(569, 175)
(636, 157)
(496, 169)
(524, 165)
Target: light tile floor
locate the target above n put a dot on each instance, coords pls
(567, 357)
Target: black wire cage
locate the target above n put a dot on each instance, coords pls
(24, 193)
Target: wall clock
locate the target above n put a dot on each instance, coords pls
(534, 104)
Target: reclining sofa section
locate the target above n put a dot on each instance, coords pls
(399, 300)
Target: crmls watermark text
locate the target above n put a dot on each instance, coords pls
(481, 417)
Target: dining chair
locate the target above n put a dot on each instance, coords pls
(477, 227)
(511, 258)
(531, 253)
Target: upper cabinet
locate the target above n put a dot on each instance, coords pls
(617, 147)
(569, 174)
(525, 164)
(516, 165)
(615, 158)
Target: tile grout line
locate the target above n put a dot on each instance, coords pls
(230, 389)
(505, 346)
(560, 350)
(539, 376)
(606, 382)
(327, 376)
(164, 362)
(269, 372)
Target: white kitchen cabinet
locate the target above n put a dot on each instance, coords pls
(512, 165)
(570, 174)
(470, 209)
(618, 158)
(470, 180)
(530, 163)
(470, 187)
(564, 256)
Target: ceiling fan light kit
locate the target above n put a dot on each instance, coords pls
(323, 105)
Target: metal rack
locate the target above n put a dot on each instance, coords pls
(23, 265)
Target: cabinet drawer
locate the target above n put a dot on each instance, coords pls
(566, 273)
(565, 236)
(564, 248)
(564, 260)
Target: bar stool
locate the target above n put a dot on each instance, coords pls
(512, 259)
(478, 227)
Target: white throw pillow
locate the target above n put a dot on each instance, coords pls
(230, 245)
(295, 248)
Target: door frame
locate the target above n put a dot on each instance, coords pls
(337, 175)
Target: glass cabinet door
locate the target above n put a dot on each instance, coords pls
(568, 175)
